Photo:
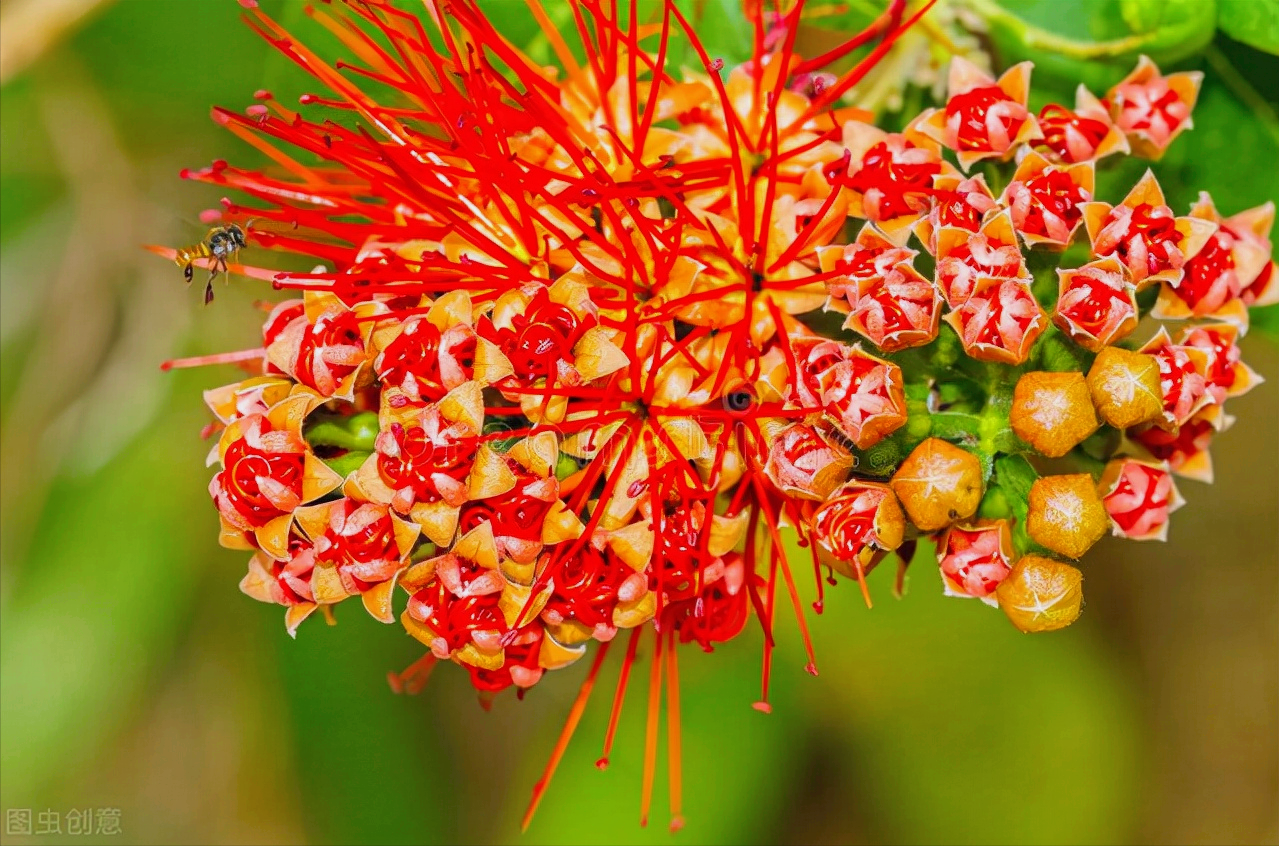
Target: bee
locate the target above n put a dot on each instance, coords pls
(220, 244)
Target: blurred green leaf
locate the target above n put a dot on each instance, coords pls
(1254, 22)
(1086, 41)
(371, 764)
(116, 558)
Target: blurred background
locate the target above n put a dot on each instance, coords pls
(135, 677)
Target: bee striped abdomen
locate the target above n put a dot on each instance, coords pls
(186, 256)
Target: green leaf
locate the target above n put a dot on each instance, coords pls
(1254, 22)
(1014, 475)
(1095, 41)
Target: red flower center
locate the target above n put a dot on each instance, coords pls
(1091, 313)
(897, 310)
(842, 528)
(586, 587)
(1055, 192)
(539, 338)
(954, 209)
(1125, 491)
(973, 108)
(455, 618)
(416, 352)
(245, 466)
(1205, 270)
(342, 330)
(902, 187)
(1175, 447)
(862, 264)
(373, 542)
(1140, 112)
(1173, 370)
(1156, 227)
(420, 458)
(1064, 131)
(993, 330)
(995, 261)
(514, 514)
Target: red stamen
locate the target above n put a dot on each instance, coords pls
(619, 696)
(570, 726)
(673, 739)
(650, 730)
(237, 357)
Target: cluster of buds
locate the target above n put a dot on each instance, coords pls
(1044, 285)
(567, 367)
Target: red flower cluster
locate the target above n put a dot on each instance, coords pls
(563, 370)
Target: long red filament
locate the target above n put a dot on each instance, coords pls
(674, 741)
(651, 727)
(570, 726)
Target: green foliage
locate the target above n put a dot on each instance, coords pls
(1088, 42)
(1254, 22)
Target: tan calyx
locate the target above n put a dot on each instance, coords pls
(1041, 594)
(937, 484)
(1125, 388)
(1053, 412)
(1066, 514)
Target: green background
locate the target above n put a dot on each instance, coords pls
(134, 675)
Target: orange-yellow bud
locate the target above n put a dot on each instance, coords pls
(937, 484)
(1125, 387)
(1041, 595)
(1053, 412)
(1066, 514)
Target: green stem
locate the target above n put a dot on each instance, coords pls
(356, 432)
(1041, 39)
(347, 462)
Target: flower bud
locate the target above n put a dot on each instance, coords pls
(864, 395)
(1153, 109)
(1125, 387)
(1066, 514)
(1096, 304)
(1041, 595)
(1000, 321)
(897, 310)
(802, 463)
(1053, 412)
(1139, 496)
(1186, 449)
(858, 520)
(1182, 379)
(974, 558)
(937, 484)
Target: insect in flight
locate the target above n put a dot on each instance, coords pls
(221, 243)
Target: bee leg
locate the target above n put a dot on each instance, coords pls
(188, 272)
(208, 285)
